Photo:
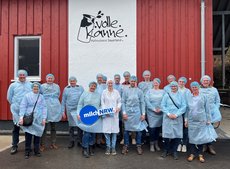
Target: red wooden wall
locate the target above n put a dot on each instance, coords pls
(168, 38)
(47, 18)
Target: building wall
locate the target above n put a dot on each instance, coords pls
(168, 38)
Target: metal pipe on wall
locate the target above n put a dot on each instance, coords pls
(202, 37)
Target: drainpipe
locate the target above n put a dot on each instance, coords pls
(202, 37)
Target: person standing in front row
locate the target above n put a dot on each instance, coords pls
(70, 98)
(15, 94)
(111, 98)
(51, 93)
(173, 106)
(33, 100)
(133, 108)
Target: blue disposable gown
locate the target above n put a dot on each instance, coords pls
(153, 100)
(185, 93)
(100, 88)
(15, 94)
(118, 87)
(145, 86)
(51, 93)
(93, 99)
(40, 113)
(167, 88)
(214, 102)
(70, 98)
(134, 106)
(198, 116)
(173, 128)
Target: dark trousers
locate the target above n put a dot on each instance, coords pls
(185, 136)
(196, 149)
(15, 136)
(79, 134)
(154, 134)
(171, 144)
(28, 141)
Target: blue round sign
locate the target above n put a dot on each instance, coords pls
(89, 115)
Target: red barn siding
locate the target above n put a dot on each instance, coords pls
(47, 18)
(168, 38)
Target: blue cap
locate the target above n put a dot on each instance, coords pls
(22, 71)
(93, 82)
(157, 80)
(133, 78)
(171, 76)
(205, 77)
(195, 84)
(184, 79)
(146, 72)
(173, 83)
(36, 84)
(126, 73)
(72, 78)
(49, 75)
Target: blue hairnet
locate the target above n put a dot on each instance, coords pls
(133, 78)
(99, 75)
(104, 78)
(72, 78)
(93, 82)
(22, 71)
(205, 77)
(173, 83)
(49, 75)
(169, 76)
(146, 72)
(126, 73)
(184, 79)
(117, 75)
(195, 84)
(158, 80)
(36, 84)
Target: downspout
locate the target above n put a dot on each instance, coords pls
(202, 37)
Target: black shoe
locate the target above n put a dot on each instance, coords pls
(13, 150)
(37, 154)
(27, 155)
(85, 152)
(91, 150)
(175, 156)
(71, 144)
(164, 154)
(79, 144)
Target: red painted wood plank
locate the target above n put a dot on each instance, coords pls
(55, 39)
(30, 17)
(22, 17)
(139, 38)
(13, 19)
(38, 16)
(0, 17)
(176, 38)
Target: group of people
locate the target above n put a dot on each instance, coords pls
(183, 116)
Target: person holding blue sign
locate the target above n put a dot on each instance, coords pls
(133, 107)
(92, 98)
(214, 103)
(111, 98)
(70, 98)
(198, 121)
(51, 93)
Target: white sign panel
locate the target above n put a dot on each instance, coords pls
(102, 38)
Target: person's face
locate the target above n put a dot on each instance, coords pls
(49, 79)
(22, 77)
(132, 83)
(181, 83)
(170, 79)
(156, 84)
(117, 80)
(195, 89)
(99, 79)
(73, 83)
(110, 84)
(147, 77)
(35, 89)
(206, 83)
(92, 87)
(127, 77)
(174, 89)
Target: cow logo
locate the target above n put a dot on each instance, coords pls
(100, 28)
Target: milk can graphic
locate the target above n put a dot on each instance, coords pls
(86, 27)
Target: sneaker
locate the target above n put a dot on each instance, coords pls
(152, 149)
(205, 148)
(179, 147)
(124, 150)
(134, 141)
(164, 154)
(27, 155)
(201, 158)
(53, 146)
(157, 146)
(191, 157)
(211, 150)
(85, 152)
(114, 152)
(139, 150)
(42, 148)
(122, 141)
(71, 144)
(37, 154)
(13, 150)
(184, 149)
(107, 152)
(175, 156)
